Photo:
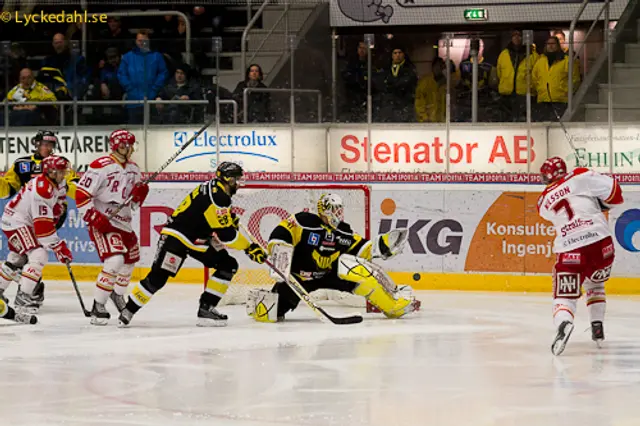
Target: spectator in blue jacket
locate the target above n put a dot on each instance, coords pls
(73, 67)
(142, 74)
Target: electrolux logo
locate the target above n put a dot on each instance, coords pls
(245, 143)
(627, 226)
(442, 236)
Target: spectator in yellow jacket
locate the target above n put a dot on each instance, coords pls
(29, 90)
(550, 80)
(513, 67)
(431, 93)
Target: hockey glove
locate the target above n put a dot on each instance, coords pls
(255, 253)
(62, 252)
(139, 193)
(97, 220)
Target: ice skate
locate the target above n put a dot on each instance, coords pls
(25, 318)
(118, 300)
(125, 318)
(597, 332)
(99, 314)
(564, 332)
(208, 316)
(25, 303)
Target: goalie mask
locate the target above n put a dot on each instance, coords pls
(331, 210)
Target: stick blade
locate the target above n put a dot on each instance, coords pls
(352, 319)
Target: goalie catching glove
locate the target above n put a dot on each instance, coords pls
(391, 244)
(256, 253)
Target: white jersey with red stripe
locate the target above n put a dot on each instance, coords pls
(38, 205)
(574, 205)
(107, 184)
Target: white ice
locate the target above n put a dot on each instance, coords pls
(478, 359)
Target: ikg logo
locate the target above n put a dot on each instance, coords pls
(438, 237)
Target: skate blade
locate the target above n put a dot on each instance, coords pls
(599, 343)
(122, 324)
(208, 322)
(99, 321)
(558, 346)
(27, 319)
(27, 310)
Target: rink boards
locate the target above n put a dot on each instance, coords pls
(476, 237)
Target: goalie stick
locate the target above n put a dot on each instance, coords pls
(75, 287)
(164, 166)
(303, 294)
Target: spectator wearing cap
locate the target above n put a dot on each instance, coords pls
(181, 88)
(142, 74)
(550, 80)
(30, 90)
(73, 67)
(259, 103)
(512, 70)
(399, 83)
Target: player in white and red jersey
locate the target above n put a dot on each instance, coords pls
(29, 222)
(108, 182)
(575, 203)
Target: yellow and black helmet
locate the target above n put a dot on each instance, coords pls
(227, 170)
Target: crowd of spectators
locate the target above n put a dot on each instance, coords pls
(400, 95)
(149, 62)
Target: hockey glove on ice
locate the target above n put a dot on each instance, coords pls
(255, 253)
(62, 252)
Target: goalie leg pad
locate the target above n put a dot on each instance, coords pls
(364, 274)
(262, 305)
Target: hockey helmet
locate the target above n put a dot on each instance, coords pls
(45, 136)
(54, 163)
(228, 170)
(553, 169)
(121, 137)
(331, 209)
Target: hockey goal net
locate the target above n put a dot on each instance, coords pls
(261, 207)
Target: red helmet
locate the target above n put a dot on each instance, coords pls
(553, 169)
(52, 163)
(119, 138)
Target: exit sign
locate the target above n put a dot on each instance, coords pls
(475, 14)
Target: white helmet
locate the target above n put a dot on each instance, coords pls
(330, 207)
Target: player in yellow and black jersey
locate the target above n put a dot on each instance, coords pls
(322, 252)
(203, 219)
(18, 175)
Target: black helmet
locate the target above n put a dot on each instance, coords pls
(46, 136)
(228, 170)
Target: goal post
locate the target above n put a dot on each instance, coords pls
(261, 207)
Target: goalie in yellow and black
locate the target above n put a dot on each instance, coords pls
(201, 227)
(322, 252)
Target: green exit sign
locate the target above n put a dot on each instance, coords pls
(475, 14)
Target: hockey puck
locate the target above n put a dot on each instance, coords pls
(416, 277)
(33, 319)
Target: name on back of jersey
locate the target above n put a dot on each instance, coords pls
(556, 195)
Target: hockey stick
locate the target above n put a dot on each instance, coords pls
(75, 287)
(303, 294)
(564, 129)
(164, 166)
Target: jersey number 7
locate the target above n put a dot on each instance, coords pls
(564, 205)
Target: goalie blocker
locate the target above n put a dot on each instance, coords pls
(322, 252)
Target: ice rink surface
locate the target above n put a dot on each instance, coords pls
(477, 359)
